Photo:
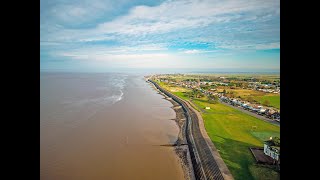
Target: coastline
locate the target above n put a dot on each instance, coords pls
(206, 161)
(180, 146)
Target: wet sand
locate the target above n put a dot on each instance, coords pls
(181, 147)
(123, 140)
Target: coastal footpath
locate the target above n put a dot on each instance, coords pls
(206, 160)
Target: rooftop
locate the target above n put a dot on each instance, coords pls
(274, 143)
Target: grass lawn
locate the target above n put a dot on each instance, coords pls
(233, 132)
(274, 100)
(173, 88)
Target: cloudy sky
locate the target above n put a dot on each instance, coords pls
(114, 34)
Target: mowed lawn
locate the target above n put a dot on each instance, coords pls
(233, 132)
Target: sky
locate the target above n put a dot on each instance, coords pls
(105, 35)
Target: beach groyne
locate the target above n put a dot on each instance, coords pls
(206, 161)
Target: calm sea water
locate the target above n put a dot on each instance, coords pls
(105, 126)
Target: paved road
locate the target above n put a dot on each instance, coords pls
(253, 114)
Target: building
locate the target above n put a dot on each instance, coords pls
(272, 148)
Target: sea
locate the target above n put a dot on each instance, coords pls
(102, 126)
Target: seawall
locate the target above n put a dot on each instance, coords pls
(206, 161)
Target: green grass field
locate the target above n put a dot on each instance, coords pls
(274, 100)
(233, 132)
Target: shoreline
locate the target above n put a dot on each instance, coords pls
(206, 161)
(180, 146)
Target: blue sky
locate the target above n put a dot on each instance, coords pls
(88, 35)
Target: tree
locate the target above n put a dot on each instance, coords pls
(190, 95)
(224, 91)
(266, 102)
(196, 93)
(245, 85)
(276, 141)
(250, 99)
(213, 99)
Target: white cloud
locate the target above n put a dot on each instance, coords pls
(50, 43)
(79, 11)
(159, 60)
(143, 34)
(264, 46)
(101, 53)
(275, 45)
(167, 17)
(193, 51)
(198, 51)
(173, 15)
(85, 50)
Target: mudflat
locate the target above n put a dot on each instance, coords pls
(106, 126)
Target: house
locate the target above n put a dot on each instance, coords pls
(244, 105)
(262, 111)
(275, 115)
(271, 111)
(272, 148)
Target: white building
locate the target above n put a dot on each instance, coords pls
(262, 110)
(270, 149)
